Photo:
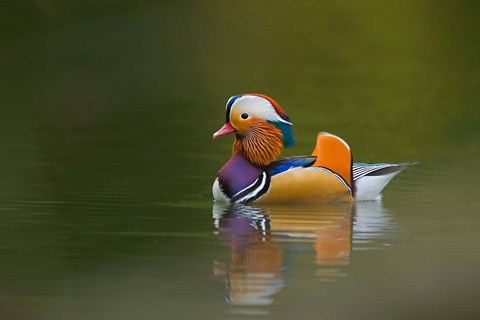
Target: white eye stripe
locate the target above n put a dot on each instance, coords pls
(257, 107)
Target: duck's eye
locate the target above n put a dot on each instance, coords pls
(244, 116)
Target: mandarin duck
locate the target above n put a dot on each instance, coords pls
(256, 174)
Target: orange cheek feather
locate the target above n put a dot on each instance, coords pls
(240, 124)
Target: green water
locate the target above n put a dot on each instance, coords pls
(107, 160)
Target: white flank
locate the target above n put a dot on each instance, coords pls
(370, 187)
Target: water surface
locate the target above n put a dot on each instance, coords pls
(107, 161)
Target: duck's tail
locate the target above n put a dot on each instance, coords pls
(364, 179)
(370, 179)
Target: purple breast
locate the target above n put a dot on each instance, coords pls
(237, 174)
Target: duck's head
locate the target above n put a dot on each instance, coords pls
(262, 129)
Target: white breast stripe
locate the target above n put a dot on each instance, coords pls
(244, 189)
(253, 191)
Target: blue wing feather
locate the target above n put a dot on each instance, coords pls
(285, 164)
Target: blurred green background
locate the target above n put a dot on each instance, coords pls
(107, 113)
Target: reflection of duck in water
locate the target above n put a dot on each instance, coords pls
(263, 239)
(327, 227)
(255, 272)
(373, 226)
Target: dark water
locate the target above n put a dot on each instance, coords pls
(107, 161)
